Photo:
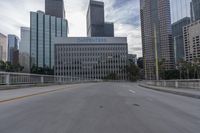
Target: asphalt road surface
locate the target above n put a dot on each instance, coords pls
(101, 108)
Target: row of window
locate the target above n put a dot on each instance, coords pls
(91, 49)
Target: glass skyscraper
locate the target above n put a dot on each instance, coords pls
(43, 29)
(195, 10)
(177, 32)
(13, 53)
(96, 26)
(156, 36)
(55, 8)
(24, 49)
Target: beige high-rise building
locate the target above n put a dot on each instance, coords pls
(191, 35)
(156, 36)
(4, 44)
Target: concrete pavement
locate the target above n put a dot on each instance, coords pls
(101, 108)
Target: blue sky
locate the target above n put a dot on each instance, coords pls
(124, 13)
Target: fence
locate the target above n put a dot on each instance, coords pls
(7, 78)
(188, 84)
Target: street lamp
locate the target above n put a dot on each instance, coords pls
(156, 52)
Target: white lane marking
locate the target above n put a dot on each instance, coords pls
(132, 91)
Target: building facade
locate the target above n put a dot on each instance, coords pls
(24, 49)
(13, 52)
(109, 29)
(195, 10)
(192, 41)
(177, 32)
(55, 8)
(96, 26)
(4, 44)
(43, 30)
(89, 58)
(156, 36)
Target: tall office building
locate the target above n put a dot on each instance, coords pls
(96, 25)
(90, 58)
(4, 44)
(108, 29)
(13, 53)
(192, 41)
(43, 30)
(55, 8)
(156, 36)
(195, 10)
(24, 49)
(177, 32)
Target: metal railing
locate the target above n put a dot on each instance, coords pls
(187, 84)
(9, 78)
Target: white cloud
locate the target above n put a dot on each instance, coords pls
(14, 15)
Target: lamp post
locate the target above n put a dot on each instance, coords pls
(156, 52)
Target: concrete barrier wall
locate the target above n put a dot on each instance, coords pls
(187, 84)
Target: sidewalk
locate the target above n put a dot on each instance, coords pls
(13, 94)
(183, 92)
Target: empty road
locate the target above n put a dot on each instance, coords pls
(101, 108)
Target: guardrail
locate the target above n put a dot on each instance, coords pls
(187, 84)
(7, 78)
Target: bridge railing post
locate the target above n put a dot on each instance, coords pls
(8, 79)
(42, 79)
(176, 84)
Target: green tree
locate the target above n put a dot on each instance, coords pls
(9, 67)
(112, 76)
(171, 74)
(42, 70)
(2, 65)
(161, 68)
(133, 72)
(196, 67)
(140, 62)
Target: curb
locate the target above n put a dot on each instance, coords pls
(30, 95)
(172, 92)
